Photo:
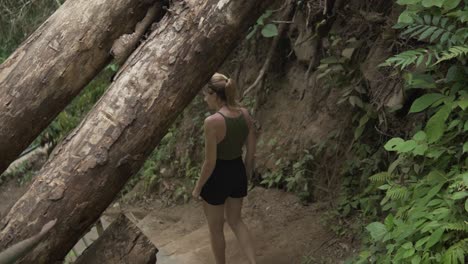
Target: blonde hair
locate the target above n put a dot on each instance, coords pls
(224, 88)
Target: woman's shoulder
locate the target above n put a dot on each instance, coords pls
(214, 118)
(247, 116)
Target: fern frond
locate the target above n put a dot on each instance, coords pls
(453, 52)
(460, 226)
(456, 253)
(409, 57)
(431, 28)
(397, 193)
(460, 15)
(380, 177)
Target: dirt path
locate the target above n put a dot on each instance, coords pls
(284, 232)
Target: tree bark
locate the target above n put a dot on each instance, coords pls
(122, 242)
(88, 169)
(55, 63)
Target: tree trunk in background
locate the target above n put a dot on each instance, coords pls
(122, 242)
(88, 169)
(55, 63)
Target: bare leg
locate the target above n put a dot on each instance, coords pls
(215, 217)
(234, 219)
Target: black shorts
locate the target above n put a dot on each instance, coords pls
(229, 179)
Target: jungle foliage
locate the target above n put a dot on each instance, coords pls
(416, 184)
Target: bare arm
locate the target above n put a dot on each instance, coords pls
(210, 153)
(250, 143)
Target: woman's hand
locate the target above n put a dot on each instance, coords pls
(196, 193)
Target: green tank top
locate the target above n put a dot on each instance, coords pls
(237, 131)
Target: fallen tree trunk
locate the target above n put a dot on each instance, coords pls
(122, 242)
(55, 63)
(88, 169)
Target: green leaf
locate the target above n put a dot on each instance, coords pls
(419, 136)
(389, 221)
(434, 153)
(435, 20)
(465, 147)
(348, 52)
(407, 245)
(377, 230)
(380, 177)
(435, 127)
(427, 33)
(459, 195)
(416, 259)
(427, 19)
(420, 149)
(408, 253)
(445, 37)
(269, 30)
(434, 238)
(261, 19)
(463, 103)
(436, 34)
(420, 81)
(444, 22)
(465, 127)
(406, 17)
(421, 242)
(429, 3)
(451, 4)
(453, 124)
(411, 29)
(364, 119)
(395, 164)
(432, 193)
(356, 101)
(393, 144)
(435, 202)
(466, 205)
(362, 124)
(407, 146)
(425, 101)
(384, 187)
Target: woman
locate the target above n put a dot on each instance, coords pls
(223, 180)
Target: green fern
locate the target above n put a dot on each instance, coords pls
(453, 52)
(460, 15)
(431, 28)
(380, 177)
(460, 226)
(410, 57)
(397, 193)
(460, 37)
(456, 253)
